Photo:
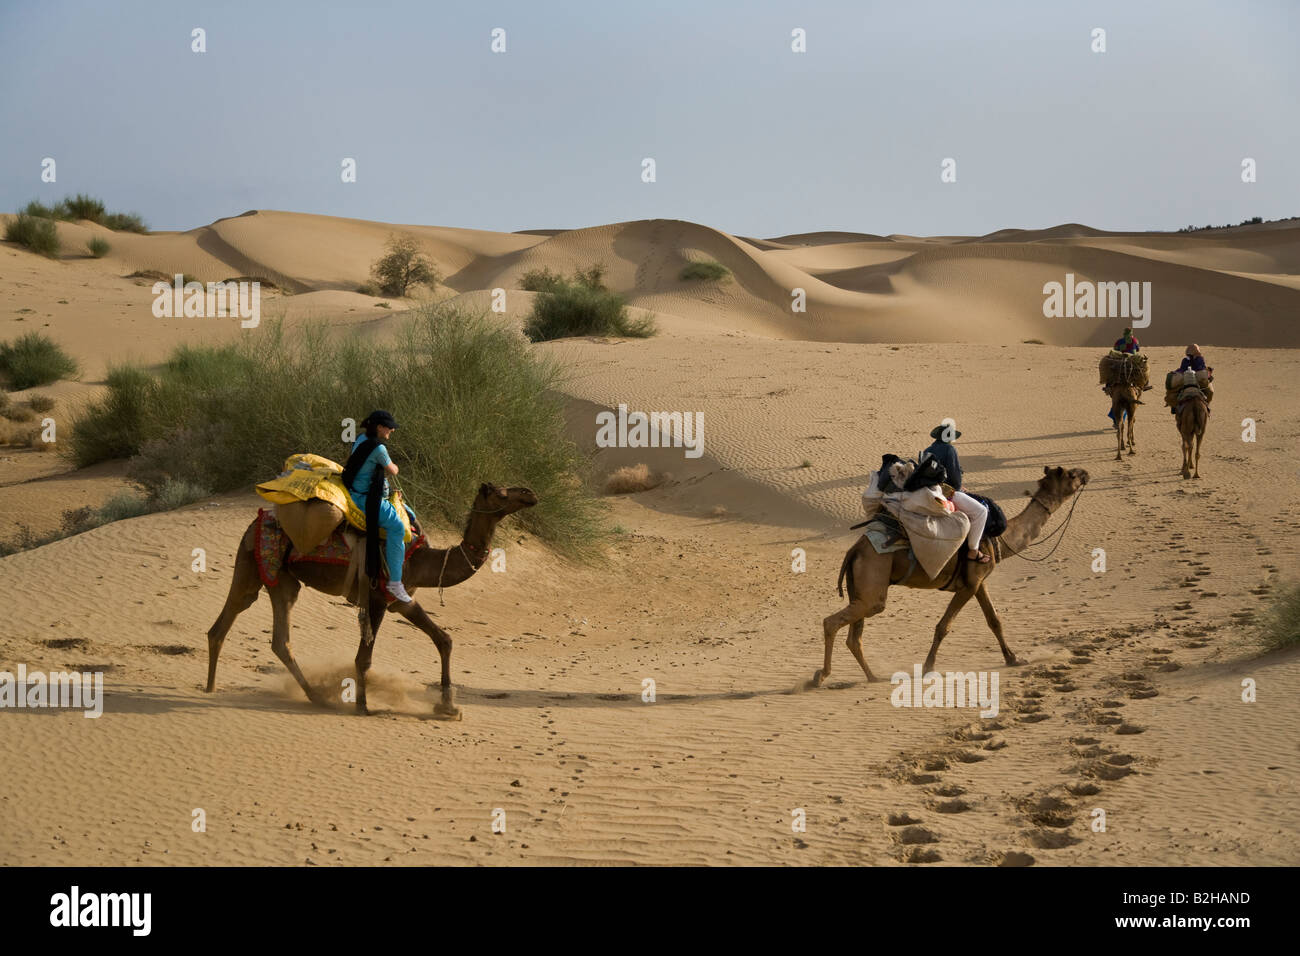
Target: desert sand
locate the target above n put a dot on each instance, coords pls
(1130, 701)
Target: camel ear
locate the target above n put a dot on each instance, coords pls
(1046, 470)
(485, 489)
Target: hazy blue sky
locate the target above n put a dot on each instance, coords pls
(748, 136)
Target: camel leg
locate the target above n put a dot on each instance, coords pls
(1119, 435)
(866, 599)
(1187, 454)
(854, 643)
(1132, 445)
(370, 617)
(941, 629)
(445, 708)
(283, 596)
(244, 587)
(1196, 467)
(995, 623)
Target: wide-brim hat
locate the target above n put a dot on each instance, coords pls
(380, 417)
(938, 430)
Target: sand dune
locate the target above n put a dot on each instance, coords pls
(1130, 701)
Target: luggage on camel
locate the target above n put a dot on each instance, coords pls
(1117, 368)
(308, 478)
(1177, 383)
(904, 507)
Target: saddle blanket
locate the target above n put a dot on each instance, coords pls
(272, 548)
(308, 476)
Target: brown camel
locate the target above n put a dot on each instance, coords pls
(1123, 404)
(1193, 414)
(427, 567)
(870, 575)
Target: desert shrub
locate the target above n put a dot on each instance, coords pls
(475, 402)
(574, 308)
(17, 413)
(34, 359)
(632, 478)
(1279, 626)
(402, 267)
(125, 222)
(34, 233)
(40, 403)
(707, 271)
(114, 426)
(540, 280)
(368, 288)
(98, 247)
(122, 505)
(82, 206)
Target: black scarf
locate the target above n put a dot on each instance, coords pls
(374, 497)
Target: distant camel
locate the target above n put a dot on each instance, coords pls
(426, 567)
(1193, 414)
(870, 575)
(1124, 403)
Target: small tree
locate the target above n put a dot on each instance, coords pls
(403, 267)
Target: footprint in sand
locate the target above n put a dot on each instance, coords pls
(1011, 858)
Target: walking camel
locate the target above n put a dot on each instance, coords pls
(1193, 415)
(1123, 404)
(426, 567)
(870, 575)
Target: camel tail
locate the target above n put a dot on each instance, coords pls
(846, 573)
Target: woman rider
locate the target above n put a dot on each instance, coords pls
(942, 451)
(369, 457)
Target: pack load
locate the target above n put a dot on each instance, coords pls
(900, 508)
(307, 478)
(1180, 386)
(1117, 368)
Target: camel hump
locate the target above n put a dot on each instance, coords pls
(308, 523)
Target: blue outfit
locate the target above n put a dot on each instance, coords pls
(394, 546)
(1196, 364)
(946, 455)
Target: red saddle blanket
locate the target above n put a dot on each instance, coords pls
(273, 550)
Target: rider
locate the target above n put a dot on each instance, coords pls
(370, 458)
(1127, 343)
(942, 451)
(1193, 361)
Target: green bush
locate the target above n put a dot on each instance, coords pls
(541, 280)
(34, 233)
(475, 402)
(98, 247)
(707, 271)
(1280, 625)
(113, 427)
(40, 403)
(125, 222)
(577, 309)
(39, 210)
(402, 267)
(34, 359)
(82, 206)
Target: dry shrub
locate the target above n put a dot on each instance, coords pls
(630, 479)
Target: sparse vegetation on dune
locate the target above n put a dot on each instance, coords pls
(579, 306)
(474, 401)
(631, 479)
(34, 233)
(706, 271)
(34, 359)
(1279, 627)
(402, 267)
(82, 207)
(98, 247)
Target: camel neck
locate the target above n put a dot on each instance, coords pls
(1024, 528)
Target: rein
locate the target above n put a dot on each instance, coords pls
(1059, 529)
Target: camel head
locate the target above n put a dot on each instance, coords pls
(1058, 485)
(495, 499)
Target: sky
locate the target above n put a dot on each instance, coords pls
(746, 135)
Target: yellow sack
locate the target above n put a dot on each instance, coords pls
(313, 476)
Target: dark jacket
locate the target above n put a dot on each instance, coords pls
(946, 456)
(1196, 364)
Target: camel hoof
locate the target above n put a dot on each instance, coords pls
(447, 712)
(816, 679)
(1014, 661)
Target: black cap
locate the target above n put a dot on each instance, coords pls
(929, 472)
(380, 417)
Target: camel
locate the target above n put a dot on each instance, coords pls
(1193, 414)
(426, 567)
(869, 575)
(1124, 403)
